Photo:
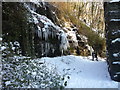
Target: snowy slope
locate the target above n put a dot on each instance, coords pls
(82, 72)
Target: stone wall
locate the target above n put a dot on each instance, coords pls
(112, 27)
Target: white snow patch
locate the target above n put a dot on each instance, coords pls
(115, 1)
(115, 75)
(72, 34)
(116, 62)
(118, 73)
(34, 73)
(116, 40)
(7, 83)
(17, 43)
(83, 73)
(18, 57)
(113, 11)
(115, 20)
(116, 54)
(13, 48)
(118, 31)
(0, 39)
(3, 48)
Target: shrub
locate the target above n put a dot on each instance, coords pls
(23, 72)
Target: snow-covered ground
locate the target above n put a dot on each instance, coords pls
(82, 72)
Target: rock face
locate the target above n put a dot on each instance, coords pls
(112, 24)
(36, 27)
(39, 32)
(50, 39)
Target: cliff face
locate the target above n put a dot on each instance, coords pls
(36, 29)
(112, 20)
(50, 39)
(36, 33)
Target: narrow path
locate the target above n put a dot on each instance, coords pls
(83, 73)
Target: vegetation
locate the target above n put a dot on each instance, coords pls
(68, 13)
(18, 41)
(16, 27)
(23, 72)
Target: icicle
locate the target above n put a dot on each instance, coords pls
(48, 46)
(52, 34)
(49, 30)
(53, 50)
(64, 41)
(62, 52)
(38, 32)
(42, 49)
(46, 49)
(46, 34)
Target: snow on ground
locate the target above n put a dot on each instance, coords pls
(83, 72)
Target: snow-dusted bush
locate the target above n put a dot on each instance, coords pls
(10, 49)
(23, 72)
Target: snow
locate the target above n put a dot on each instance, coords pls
(118, 73)
(3, 48)
(7, 83)
(83, 73)
(0, 39)
(115, 20)
(21, 70)
(116, 54)
(18, 57)
(116, 62)
(115, 1)
(56, 30)
(16, 43)
(113, 11)
(116, 40)
(118, 31)
(13, 48)
(70, 33)
(73, 37)
(78, 72)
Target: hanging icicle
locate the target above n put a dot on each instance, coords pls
(48, 31)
